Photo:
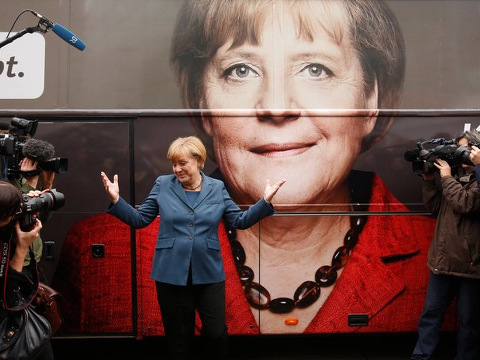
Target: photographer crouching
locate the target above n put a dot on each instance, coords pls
(453, 197)
(19, 284)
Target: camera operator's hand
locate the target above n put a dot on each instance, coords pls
(29, 165)
(475, 155)
(443, 167)
(24, 240)
(112, 189)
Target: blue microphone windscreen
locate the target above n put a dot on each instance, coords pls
(68, 36)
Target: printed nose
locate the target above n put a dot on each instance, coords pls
(278, 115)
(276, 103)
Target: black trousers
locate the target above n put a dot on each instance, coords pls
(178, 305)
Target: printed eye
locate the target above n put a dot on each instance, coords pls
(316, 71)
(240, 71)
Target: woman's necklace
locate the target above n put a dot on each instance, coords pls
(195, 188)
(309, 291)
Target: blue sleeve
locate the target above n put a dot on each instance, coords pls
(240, 219)
(146, 213)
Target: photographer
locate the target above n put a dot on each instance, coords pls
(18, 247)
(453, 256)
(33, 177)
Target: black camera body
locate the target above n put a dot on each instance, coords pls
(12, 146)
(424, 156)
(56, 164)
(11, 149)
(50, 200)
(7, 144)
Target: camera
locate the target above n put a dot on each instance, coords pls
(18, 144)
(7, 144)
(57, 164)
(22, 127)
(50, 200)
(424, 156)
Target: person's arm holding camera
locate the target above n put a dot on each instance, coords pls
(24, 240)
(30, 176)
(432, 193)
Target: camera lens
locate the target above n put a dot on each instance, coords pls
(462, 155)
(50, 200)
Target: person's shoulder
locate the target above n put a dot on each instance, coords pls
(165, 178)
(213, 181)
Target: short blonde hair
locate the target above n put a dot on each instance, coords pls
(191, 145)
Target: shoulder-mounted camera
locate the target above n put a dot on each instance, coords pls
(424, 156)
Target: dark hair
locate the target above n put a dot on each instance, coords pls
(473, 136)
(10, 200)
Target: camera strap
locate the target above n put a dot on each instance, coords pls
(31, 173)
(20, 301)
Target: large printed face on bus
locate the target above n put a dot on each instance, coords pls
(284, 79)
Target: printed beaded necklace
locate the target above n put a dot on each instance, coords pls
(309, 291)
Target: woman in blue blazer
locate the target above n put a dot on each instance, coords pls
(187, 264)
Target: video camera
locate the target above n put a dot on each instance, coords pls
(17, 145)
(50, 200)
(424, 156)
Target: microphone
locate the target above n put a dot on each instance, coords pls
(38, 150)
(62, 32)
(68, 36)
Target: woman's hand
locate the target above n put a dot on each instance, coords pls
(271, 190)
(112, 189)
(24, 240)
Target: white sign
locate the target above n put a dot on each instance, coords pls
(22, 67)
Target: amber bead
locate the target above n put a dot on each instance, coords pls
(238, 252)
(246, 274)
(357, 223)
(326, 275)
(306, 294)
(281, 305)
(351, 238)
(257, 296)
(340, 257)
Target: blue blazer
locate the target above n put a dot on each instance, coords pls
(188, 234)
